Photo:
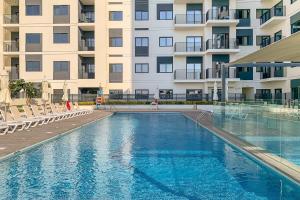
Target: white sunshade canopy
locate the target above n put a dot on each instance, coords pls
(284, 50)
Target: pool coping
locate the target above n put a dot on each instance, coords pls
(275, 163)
(59, 135)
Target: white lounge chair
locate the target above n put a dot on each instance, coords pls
(3, 128)
(39, 113)
(87, 111)
(30, 122)
(12, 125)
(61, 115)
(30, 114)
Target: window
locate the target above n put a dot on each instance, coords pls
(243, 14)
(61, 70)
(243, 40)
(115, 15)
(115, 37)
(263, 40)
(260, 12)
(141, 94)
(166, 94)
(164, 64)
(166, 41)
(33, 38)
(60, 38)
(115, 94)
(141, 68)
(33, 10)
(61, 10)
(295, 23)
(141, 10)
(141, 46)
(165, 11)
(33, 66)
(115, 73)
(244, 37)
(141, 42)
(141, 15)
(277, 36)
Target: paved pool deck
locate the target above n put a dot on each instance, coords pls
(20, 140)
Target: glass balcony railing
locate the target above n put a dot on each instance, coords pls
(222, 44)
(214, 73)
(11, 46)
(276, 11)
(183, 74)
(188, 47)
(87, 44)
(87, 17)
(11, 19)
(220, 14)
(273, 73)
(189, 19)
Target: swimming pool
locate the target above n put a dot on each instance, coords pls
(140, 156)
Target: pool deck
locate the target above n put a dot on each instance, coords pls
(281, 165)
(20, 140)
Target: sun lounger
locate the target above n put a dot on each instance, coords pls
(3, 128)
(39, 113)
(30, 122)
(30, 114)
(12, 125)
(85, 110)
(61, 115)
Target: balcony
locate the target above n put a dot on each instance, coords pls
(222, 46)
(11, 19)
(188, 49)
(272, 17)
(87, 72)
(213, 74)
(87, 17)
(183, 21)
(182, 75)
(87, 44)
(269, 40)
(218, 17)
(11, 46)
(273, 74)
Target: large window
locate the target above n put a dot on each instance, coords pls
(244, 37)
(61, 35)
(33, 38)
(142, 94)
(33, 63)
(141, 15)
(61, 70)
(165, 11)
(116, 73)
(166, 41)
(33, 10)
(166, 94)
(295, 23)
(115, 37)
(61, 10)
(115, 15)
(61, 38)
(164, 64)
(141, 46)
(141, 68)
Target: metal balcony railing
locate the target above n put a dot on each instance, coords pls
(87, 17)
(11, 19)
(218, 14)
(183, 74)
(222, 44)
(87, 72)
(214, 73)
(269, 40)
(273, 73)
(11, 46)
(87, 44)
(189, 19)
(276, 11)
(188, 47)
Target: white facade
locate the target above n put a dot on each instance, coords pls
(104, 36)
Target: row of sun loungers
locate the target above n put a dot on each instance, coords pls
(32, 116)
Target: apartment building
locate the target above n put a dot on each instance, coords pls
(144, 47)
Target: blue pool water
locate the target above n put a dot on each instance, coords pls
(140, 156)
